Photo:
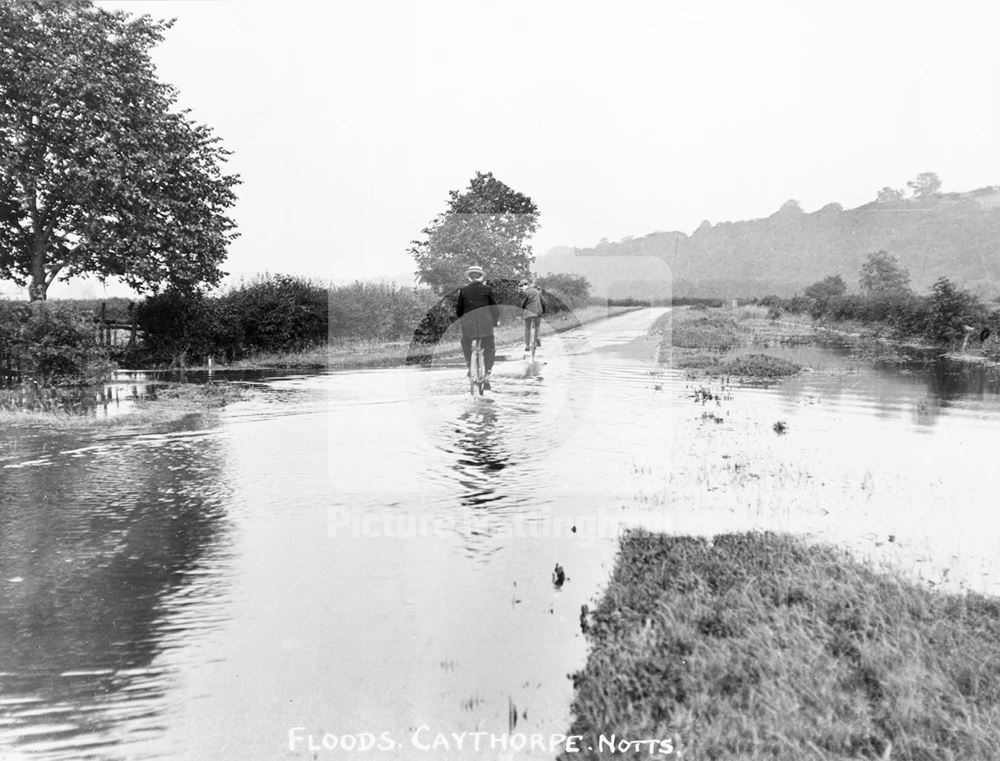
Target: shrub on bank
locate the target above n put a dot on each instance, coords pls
(178, 328)
(50, 344)
(939, 316)
(276, 313)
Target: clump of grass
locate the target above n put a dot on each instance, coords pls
(709, 331)
(171, 403)
(757, 646)
(701, 329)
(760, 366)
(197, 394)
(697, 362)
(780, 427)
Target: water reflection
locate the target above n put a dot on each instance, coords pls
(922, 390)
(480, 453)
(99, 546)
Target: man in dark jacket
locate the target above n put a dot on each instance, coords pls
(478, 311)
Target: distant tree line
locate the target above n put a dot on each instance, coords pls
(945, 315)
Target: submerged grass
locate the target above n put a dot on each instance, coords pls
(759, 646)
(171, 403)
(713, 341)
(759, 366)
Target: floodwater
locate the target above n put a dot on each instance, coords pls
(367, 556)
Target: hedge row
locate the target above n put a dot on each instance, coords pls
(940, 316)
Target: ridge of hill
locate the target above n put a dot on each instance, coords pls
(956, 235)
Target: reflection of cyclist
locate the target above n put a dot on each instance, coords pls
(534, 307)
(478, 311)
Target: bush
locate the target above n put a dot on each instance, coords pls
(950, 309)
(821, 292)
(180, 327)
(53, 344)
(278, 313)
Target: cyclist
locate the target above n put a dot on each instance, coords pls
(477, 309)
(534, 307)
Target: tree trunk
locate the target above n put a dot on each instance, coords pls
(39, 286)
(37, 291)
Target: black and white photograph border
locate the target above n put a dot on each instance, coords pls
(546, 381)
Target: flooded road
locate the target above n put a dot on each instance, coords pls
(370, 554)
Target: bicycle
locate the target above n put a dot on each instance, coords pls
(477, 369)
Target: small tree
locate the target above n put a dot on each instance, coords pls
(821, 293)
(827, 288)
(791, 206)
(883, 275)
(925, 185)
(889, 195)
(951, 309)
(488, 224)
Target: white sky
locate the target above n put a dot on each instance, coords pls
(351, 121)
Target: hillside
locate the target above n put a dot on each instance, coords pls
(952, 234)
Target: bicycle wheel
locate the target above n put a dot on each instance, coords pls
(476, 370)
(534, 338)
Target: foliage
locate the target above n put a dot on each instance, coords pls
(488, 224)
(882, 274)
(821, 292)
(365, 310)
(51, 343)
(889, 195)
(941, 316)
(569, 290)
(925, 185)
(178, 326)
(827, 288)
(99, 173)
(950, 310)
(278, 312)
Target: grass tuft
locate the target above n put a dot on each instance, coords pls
(759, 366)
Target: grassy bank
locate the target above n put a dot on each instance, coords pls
(171, 403)
(758, 646)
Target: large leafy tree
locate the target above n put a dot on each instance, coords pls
(487, 224)
(100, 173)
